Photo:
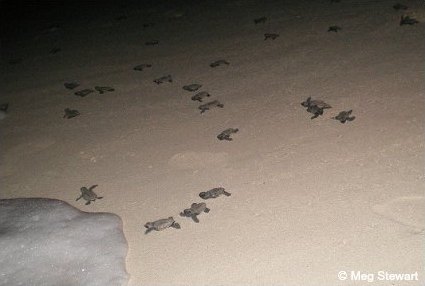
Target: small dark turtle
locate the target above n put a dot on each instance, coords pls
(166, 78)
(120, 18)
(151, 43)
(344, 116)
(84, 92)
(55, 51)
(225, 135)
(211, 104)
(399, 6)
(161, 224)
(71, 85)
(200, 96)
(270, 36)
(147, 25)
(260, 20)
(195, 210)
(214, 193)
(192, 87)
(334, 29)
(70, 113)
(142, 67)
(316, 102)
(219, 63)
(406, 20)
(103, 89)
(88, 194)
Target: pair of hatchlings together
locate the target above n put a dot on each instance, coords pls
(192, 212)
(317, 106)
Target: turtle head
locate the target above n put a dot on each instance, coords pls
(203, 195)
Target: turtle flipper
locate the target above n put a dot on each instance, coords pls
(92, 187)
(88, 202)
(99, 198)
(148, 230)
(79, 198)
(206, 210)
(351, 118)
(227, 193)
(195, 218)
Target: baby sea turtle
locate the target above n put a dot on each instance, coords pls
(142, 67)
(406, 20)
(260, 20)
(270, 36)
(103, 89)
(71, 85)
(88, 194)
(211, 104)
(343, 116)
(161, 224)
(70, 113)
(399, 6)
(214, 193)
(55, 51)
(219, 63)
(84, 92)
(166, 78)
(152, 43)
(147, 25)
(200, 96)
(334, 29)
(192, 87)
(225, 135)
(315, 106)
(195, 210)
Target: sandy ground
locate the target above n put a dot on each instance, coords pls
(309, 198)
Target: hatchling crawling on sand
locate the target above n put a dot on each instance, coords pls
(88, 194)
(192, 87)
(195, 210)
(84, 92)
(165, 78)
(211, 104)
(71, 85)
(315, 106)
(270, 36)
(260, 20)
(103, 89)
(344, 116)
(334, 29)
(406, 20)
(161, 224)
(70, 113)
(219, 63)
(225, 135)
(214, 193)
(141, 67)
(200, 96)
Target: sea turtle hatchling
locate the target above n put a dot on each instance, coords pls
(103, 89)
(165, 78)
(88, 194)
(71, 85)
(208, 105)
(70, 113)
(195, 210)
(152, 43)
(200, 96)
(406, 20)
(214, 193)
(141, 67)
(219, 63)
(315, 106)
(225, 135)
(192, 87)
(270, 36)
(161, 224)
(260, 20)
(84, 92)
(344, 116)
(334, 29)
